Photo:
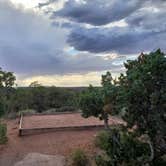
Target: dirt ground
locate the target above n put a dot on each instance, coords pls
(63, 120)
(37, 159)
(55, 143)
(61, 143)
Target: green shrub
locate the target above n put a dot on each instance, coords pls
(161, 161)
(121, 148)
(51, 111)
(102, 160)
(26, 112)
(102, 139)
(1, 109)
(3, 133)
(79, 158)
(66, 109)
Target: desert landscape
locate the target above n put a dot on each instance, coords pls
(60, 143)
(82, 83)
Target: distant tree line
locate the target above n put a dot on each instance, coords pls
(35, 97)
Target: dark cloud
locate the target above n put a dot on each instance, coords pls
(97, 12)
(152, 19)
(124, 40)
(48, 2)
(145, 18)
(146, 25)
(40, 5)
(29, 45)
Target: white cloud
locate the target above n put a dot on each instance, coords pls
(70, 80)
(28, 40)
(64, 80)
(82, 39)
(27, 4)
(30, 46)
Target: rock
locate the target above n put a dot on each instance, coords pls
(37, 159)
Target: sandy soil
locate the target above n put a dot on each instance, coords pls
(56, 143)
(61, 143)
(63, 120)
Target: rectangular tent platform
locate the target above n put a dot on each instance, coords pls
(35, 124)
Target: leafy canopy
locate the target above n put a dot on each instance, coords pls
(142, 97)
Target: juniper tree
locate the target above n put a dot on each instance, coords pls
(99, 101)
(143, 97)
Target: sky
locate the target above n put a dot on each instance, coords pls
(73, 42)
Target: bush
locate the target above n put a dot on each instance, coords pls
(121, 148)
(79, 158)
(102, 160)
(102, 139)
(142, 93)
(50, 111)
(3, 133)
(1, 109)
(66, 109)
(161, 161)
(26, 112)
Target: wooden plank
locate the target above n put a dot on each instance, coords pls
(20, 125)
(55, 129)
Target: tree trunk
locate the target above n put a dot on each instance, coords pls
(151, 150)
(105, 117)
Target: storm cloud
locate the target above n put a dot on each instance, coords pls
(97, 12)
(116, 39)
(124, 40)
(145, 28)
(145, 24)
(78, 36)
(30, 45)
(150, 19)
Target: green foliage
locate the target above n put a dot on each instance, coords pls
(139, 96)
(79, 158)
(122, 148)
(143, 97)
(7, 79)
(26, 112)
(2, 111)
(36, 97)
(102, 139)
(99, 102)
(161, 161)
(35, 84)
(91, 102)
(66, 109)
(41, 99)
(102, 160)
(3, 133)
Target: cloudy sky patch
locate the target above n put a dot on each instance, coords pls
(50, 40)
